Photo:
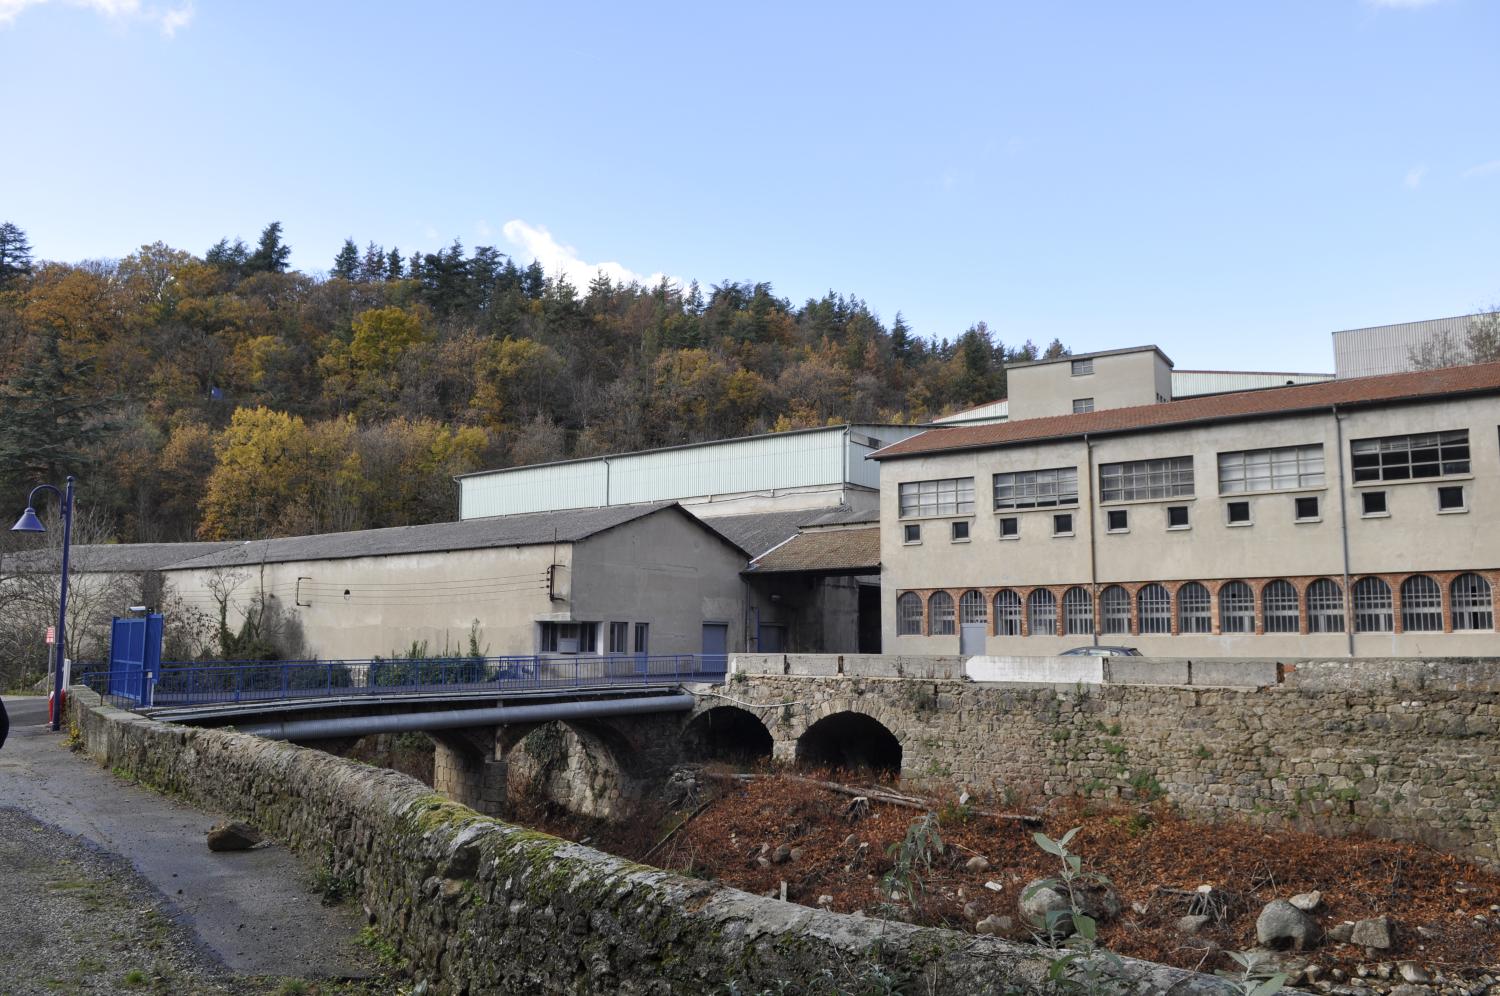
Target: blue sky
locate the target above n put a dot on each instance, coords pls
(1229, 180)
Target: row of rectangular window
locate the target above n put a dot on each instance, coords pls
(1117, 520)
(583, 638)
(1388, 458)
(1470, 600)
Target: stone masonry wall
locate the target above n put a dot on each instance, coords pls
(1400, 748)
(480, 906)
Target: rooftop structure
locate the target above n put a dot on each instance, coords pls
(1383, 349)
(803, 469)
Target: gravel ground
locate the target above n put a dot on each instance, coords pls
(74, 919)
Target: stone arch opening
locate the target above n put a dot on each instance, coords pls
(850, 741)
(579, 766)
(727, 733)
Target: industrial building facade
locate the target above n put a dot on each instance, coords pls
(1353, 516)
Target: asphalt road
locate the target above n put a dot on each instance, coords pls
(255, 909)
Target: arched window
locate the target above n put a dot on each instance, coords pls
(972, 608)
(1237, 608)
(909, 615)
(1279, 609)
(1372, 606)
(1041, 612)
(1473, 604)
(1114, 606)
(1325, 607)
(1078, 612)
(1421, 605)
(940, 614)
(1007, 613)
(1194, 614)
(1154, 603)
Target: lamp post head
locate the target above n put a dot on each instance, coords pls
(28, 523)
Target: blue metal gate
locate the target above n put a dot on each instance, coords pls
(135, 657)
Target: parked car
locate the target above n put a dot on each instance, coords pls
(1101, 652)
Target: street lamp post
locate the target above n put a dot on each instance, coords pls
(29, 523)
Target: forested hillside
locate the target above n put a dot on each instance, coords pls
(227, 396)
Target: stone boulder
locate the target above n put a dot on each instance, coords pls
(233, 835)
(1375, 933)
(1282, 925)
(1042, 897)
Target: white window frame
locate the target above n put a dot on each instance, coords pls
(1280, 468)
(1040, 601)
(907, 623)
(1083, 406)
(943, 496)
(1008, 611)
(1146, 480)
(1325, 607)
(1054, 487)
(1276, 610)
(1154, 610)
(1082, 367)
(1473, 603)
(1385, 459)
(1195, 612)
(1374, 606)
(1421, 605)
(1078, 612)
(1236, 608)
(1114, 610)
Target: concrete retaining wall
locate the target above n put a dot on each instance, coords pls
(481, 906)
(1206, 671)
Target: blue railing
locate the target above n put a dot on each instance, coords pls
(199, 682)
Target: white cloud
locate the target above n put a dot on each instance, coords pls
(556, 258)
(1483, 169)
(1414, 177)
(168, 19)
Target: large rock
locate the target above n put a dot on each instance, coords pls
(233, 835)
(1282, 925)
(1038, 900)
(1375, 933)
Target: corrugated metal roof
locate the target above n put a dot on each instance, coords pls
(536, 529)
(1384, 349)
(1096, 353)
(824, 551)
(842, 516)
(756, 533)
(115, 558)
(1481, 378)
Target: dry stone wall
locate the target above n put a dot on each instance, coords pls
(1400, 748)
(480, 906)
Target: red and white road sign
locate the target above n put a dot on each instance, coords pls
(51, 635)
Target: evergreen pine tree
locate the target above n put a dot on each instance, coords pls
(47, 430)
(15, 253)
(346, 263)
(271, 254)
(393, 265)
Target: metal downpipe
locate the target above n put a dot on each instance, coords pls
(450, 719)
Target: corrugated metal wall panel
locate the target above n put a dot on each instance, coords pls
(533, 489)
(1189, 383)
(755, 464)
(1387, 349)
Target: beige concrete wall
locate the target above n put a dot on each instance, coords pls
(1118, 381)
(666, 571)
(663, 570)
(1413, 538)
(393, 601)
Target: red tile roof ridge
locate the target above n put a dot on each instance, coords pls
(1259, 403)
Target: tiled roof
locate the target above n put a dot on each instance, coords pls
(757, 532)
(827, 550)
(115, 558)
(1481, 378)
(531, 529)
